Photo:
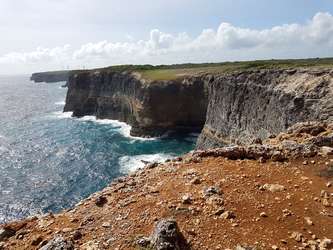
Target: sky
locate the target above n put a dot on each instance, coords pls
(41, 35)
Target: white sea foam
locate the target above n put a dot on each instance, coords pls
(61, 103)
(132, 163)
(3, 149)
(61, 152)
(3, 144)
(62, 115)
(192, 137)
(123, 127)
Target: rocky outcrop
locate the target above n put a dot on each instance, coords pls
(50, 77)
(58, 243)
(150, 107)
(302, 140)
(166, 236)
(244, 106)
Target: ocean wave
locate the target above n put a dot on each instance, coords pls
(3, 150)
(61, 103)
(62, 115)
(124, 128)
(132, 163)
(192, 137)
(4, 145)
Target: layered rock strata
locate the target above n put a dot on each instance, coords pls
(244, 106)
(151, 108)
(235, 108)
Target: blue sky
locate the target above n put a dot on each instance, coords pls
(52, 34)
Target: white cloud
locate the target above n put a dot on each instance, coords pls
(228, 42)
(40, 55)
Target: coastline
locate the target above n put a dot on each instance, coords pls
(217, 185)
(241, 190)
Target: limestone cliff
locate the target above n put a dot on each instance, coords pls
(150, 107)
(256, 104)
(242, 105)
(50, 77)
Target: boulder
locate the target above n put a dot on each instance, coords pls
(58, 243)
(274, 187)
(101, 201)
(6, 233)
(166, 236)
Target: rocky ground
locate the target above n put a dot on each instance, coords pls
(276, 195)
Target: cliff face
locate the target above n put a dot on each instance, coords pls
(242, 106)
(50, 77)
(256, 104)
(150, 108)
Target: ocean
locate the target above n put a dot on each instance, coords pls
(49, 161)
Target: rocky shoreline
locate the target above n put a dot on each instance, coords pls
(275, 194)
(248, 185)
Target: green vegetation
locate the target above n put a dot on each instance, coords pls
(170, 72)
(175, 71)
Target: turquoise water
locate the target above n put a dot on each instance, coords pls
(50, 161)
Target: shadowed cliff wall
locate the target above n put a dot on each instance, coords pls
(150, 108)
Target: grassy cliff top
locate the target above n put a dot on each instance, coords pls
(171, 72)
(175, 71)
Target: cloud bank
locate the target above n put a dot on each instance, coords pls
(227, 42)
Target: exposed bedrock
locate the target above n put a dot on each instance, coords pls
(245, 106)
(151, 108)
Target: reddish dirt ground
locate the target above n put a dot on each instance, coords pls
(293, 217)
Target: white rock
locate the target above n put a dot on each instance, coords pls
(308, 221)
(106, 225)
(324, 244)
(325, 151)
(274, 187)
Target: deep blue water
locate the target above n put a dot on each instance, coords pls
(50, 161)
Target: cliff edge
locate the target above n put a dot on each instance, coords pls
(50, 77)
(228, 106)
(152, 108)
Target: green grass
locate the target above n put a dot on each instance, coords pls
(171, 72)
(175, 71)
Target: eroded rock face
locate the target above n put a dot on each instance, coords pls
(298, 142)
(256, 104)
(242, 106)
(150, 108)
